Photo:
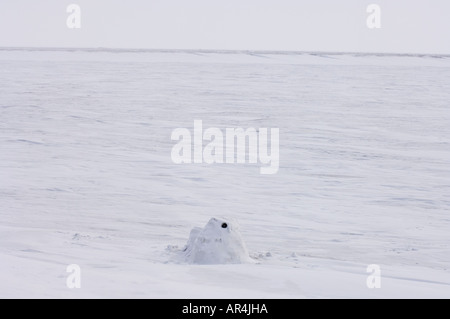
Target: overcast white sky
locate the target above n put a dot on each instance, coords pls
(408, 26)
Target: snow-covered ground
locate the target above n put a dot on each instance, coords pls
(86, 175)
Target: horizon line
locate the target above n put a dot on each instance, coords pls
(224, 51)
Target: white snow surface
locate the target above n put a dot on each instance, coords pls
(86, 175)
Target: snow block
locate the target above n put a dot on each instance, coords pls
(219, 242)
